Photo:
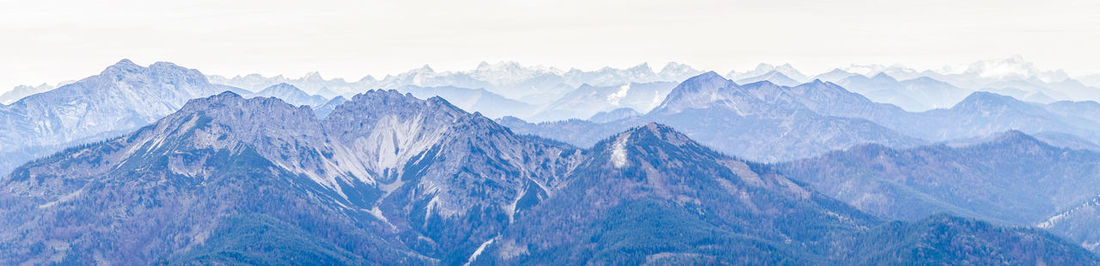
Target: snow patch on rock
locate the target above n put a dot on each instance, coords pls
(618, 151)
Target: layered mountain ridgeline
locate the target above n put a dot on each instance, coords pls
(915, 95)
(774, 123)
(480, 100)
(979, 114)
(588, 100)
(291, 94)
(388, 178)
(123, 97)
(774, 77)
(1013, 179)
(534, 85)
(759, 121)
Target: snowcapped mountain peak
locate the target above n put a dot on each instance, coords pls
(641, 68)
(674, 71)
(773, 76)
(865, 70)
(424, 69)
(313, 76)
(122, 97)
(676, 67)
(790, 71)
(763, 69)
(502, 66)
(506, 73)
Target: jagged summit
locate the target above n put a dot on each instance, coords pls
(677, 71)
(394, 100)
(229, 99)
(425, 69)
(642, 68)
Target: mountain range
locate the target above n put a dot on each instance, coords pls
(532, 85)
(389, 178)
(1012, 179)
(759, 121)
(910, 89)
(21, 91)
(816, 117)
(123, 97)
(286, 174)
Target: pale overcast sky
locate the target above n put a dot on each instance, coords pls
(51, 41)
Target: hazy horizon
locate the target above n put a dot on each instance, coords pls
(52, 41)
